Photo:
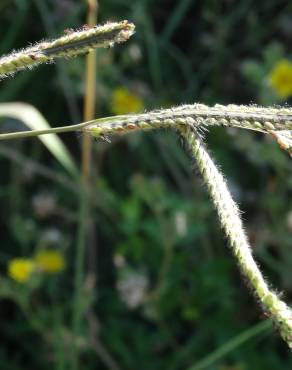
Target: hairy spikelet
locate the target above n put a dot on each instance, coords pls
(72, 44)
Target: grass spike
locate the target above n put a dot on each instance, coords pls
(70, 45)
(229, 217)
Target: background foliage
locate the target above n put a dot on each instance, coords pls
(161, 289)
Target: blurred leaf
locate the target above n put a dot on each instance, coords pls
(233, 343)
(33, 119)
(253, 71)
(175, 19)
(272, 54)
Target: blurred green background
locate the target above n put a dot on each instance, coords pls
(161, 289)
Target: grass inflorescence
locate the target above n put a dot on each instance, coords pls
(70, 45)
(188, 120)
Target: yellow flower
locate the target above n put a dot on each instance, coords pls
(281, 78)
(50, 261)
(123, 101)
(20, 269)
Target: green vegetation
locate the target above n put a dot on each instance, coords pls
(121, 263)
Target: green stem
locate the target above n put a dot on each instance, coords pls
(59, 130)
(33, 133)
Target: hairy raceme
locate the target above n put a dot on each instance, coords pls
(72, 44)
(200, 115)
(231, 223)
(274, 121)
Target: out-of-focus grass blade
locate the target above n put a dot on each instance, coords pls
(232, 344)
(33, 119)
(174, 20)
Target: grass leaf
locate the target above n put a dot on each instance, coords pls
(33, 119)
